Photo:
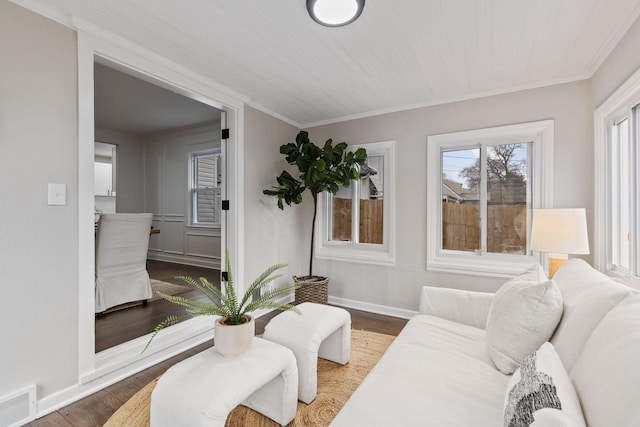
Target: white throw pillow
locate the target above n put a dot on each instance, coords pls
(540, 393)
(523, 315)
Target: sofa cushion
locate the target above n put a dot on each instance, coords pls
(607, 373)
(524, 313)
(587, 296)
(540, 393)
(461, 306)
(436, 373)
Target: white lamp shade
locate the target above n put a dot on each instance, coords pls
(562, 231)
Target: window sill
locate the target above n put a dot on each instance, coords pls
(356, 253)
(481, 265)
(625, 279)
(201, 226)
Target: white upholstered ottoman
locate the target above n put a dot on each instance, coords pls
(321, 331)
(203, 389)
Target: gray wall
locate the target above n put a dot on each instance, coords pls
(272, 236)
(38, 243)
(621, 63)
(399, 286)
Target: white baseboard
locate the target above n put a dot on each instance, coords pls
(184, 259)
(372, 308)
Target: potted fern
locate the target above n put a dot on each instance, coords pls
(325, 168)
(234, 329)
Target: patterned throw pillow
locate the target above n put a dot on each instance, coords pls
(540, 393)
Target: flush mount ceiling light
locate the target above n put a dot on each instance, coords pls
(334, 13)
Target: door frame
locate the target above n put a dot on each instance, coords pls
(94, 45)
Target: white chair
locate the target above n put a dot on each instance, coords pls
(122, 241)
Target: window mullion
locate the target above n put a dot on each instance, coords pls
(483, 199)
(355, 212)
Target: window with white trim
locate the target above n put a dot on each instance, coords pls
(617, 213)
(356, 223)
(205, 188)
(482, 186)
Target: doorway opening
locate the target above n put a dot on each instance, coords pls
(156, 133)
(124, 359)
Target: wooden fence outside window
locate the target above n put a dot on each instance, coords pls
(506, 228)
(371, 219)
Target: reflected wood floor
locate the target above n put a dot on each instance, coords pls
(120, 326)
(96, 409)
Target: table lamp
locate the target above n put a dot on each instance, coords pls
(559, 232)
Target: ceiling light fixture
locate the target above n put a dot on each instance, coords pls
(334, 13)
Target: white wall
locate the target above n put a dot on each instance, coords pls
(621, 63)
(399, 286)
(166, 195)
(38, 243)
(273, 236)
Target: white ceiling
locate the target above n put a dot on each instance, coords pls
(128, 104)
(398, 54)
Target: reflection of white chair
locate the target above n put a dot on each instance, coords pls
(122, 242)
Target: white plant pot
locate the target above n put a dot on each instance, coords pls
(233, 340)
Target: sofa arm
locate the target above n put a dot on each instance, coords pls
(466, 307)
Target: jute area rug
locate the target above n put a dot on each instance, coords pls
(166, 288)
(336, 383)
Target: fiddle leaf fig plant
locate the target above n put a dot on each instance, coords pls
(326, 168)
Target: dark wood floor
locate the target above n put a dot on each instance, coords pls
(96, 409)
(120, 326)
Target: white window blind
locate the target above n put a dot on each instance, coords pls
(205, 189)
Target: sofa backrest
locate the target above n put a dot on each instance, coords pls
(606, 376)
(598, 341)
(587, 296)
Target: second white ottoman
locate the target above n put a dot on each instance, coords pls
(320, 331)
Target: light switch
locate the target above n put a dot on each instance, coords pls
(57, 194)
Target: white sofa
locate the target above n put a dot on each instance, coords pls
(438, 371)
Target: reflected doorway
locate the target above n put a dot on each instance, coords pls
(152, 134)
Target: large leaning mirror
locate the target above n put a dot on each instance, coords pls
(157, 152)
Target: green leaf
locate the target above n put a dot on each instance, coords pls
(320, 165)
(304, 163)
(355, 175)
(310, 176)
(360, 156)
(302, 138)
(288, 148)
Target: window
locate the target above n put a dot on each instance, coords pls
(205, 188)
(617, 214)
(620, 179)
(482, 186)
(356, 222)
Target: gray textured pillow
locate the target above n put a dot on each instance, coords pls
(524, 313)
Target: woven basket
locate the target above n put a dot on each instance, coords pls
(316, 291)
